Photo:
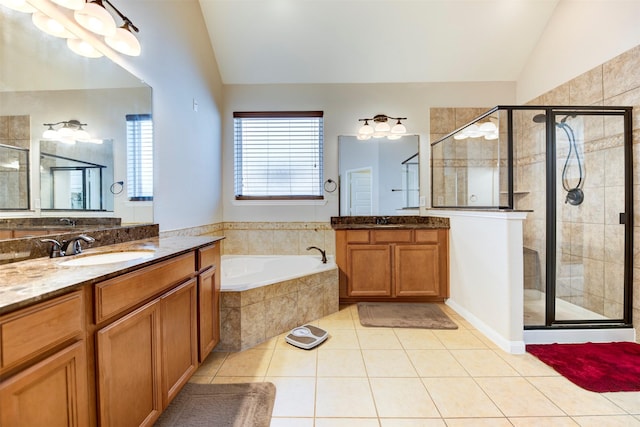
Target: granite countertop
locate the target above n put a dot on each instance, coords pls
(387, 222)
(26, 282)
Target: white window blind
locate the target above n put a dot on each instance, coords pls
(139, 157)
(278, 155)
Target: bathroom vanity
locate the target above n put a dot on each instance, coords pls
(400, 259)
(106, 344)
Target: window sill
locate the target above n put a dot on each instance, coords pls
(291, 202)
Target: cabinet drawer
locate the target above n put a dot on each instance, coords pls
(116, 295)
(42, 327)
(426, 236)
(357, 236)
(208, 256)
(392, 236)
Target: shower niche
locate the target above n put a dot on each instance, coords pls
(570, 169)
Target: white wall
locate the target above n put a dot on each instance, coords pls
(343, 105)
(581, 34)
(178, 62)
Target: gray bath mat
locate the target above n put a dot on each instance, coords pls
(404, 315)
(229, 405)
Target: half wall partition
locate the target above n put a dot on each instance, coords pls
(570, 168)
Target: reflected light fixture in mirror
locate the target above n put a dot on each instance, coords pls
(488, 130)
(381, 127)
(69, 132)
(92, 16)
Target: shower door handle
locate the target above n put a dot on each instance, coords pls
(623, 218)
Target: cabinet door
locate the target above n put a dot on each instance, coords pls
(128, 356)
(179, 321)
(208, 311)
(369, 270)
(51, 393)
(416, 270)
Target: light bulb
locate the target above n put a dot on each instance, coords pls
(50, 133)
(488, 127)
(94, 17)
(81, 135)
(49, 25)
(124, 41)
(398, 128)
(362, 137)
(83, 48)
(65, 131)
(382, 127)
(366, 129)
(460, 136)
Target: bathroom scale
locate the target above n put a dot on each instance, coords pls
(306, 336)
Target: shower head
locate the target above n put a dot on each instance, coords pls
(542, 118)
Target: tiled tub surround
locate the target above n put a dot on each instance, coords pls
(252, 316)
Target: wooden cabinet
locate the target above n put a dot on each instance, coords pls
(146, 356)
(208, 299)
(43, 365)
(393, 264)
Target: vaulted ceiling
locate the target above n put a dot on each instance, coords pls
(373, 41)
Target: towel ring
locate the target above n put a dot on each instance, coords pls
(330, 186)
(116, 190)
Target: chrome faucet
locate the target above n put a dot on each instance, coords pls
(67, 247)
(68, 221)
(323, 253)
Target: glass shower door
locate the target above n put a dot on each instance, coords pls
(589, 218)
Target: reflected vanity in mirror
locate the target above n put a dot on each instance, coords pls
(44, 82)
(379, 176)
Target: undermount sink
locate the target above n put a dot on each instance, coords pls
(107, 258)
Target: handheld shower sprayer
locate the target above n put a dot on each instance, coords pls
(575, 195)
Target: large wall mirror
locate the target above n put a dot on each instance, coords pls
(379, 176)
(42, 81)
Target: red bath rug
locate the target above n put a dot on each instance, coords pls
(599, 367)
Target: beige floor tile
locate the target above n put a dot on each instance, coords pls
(516, 397)
(388, 363)
(343, 339)
(572, 399)
(340, 363)
(436, 363)
(294, 362)
(608, 421)
(295, 397)
(483, 363)
(543, 421)
(412, 422)
(329, 324)
(459, 339)
(418, 339)
(460, 398)
(344, 397)
(201, 379)
(347, 422)
(270, 343)
(629, 401)
(234, 380)
(485, 340)
(248, 363)
(402, 397)
(528, 365)
(291, 422)
(212, 363)
(378, 338)
(479, 422)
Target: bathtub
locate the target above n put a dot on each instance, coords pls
(263, 296)
(243, 272)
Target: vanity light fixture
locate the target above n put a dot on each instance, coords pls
(69, 131)
(381, 127)
(92, 15)
(488, 130)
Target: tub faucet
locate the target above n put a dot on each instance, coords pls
(323, 253)
(68, 221)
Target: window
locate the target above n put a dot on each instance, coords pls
(139, 157)
(278, 155)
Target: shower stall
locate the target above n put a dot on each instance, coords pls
(570, 169)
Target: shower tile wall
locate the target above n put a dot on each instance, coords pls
(15, 131)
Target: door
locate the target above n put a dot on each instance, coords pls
(417, 270)
(359, 192)
(369, 270)
(208, 311)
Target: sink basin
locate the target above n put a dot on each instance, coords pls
(107, 258)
